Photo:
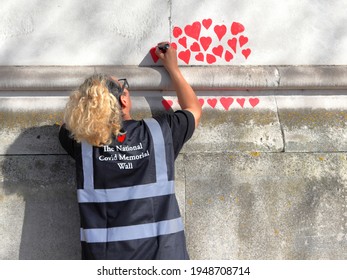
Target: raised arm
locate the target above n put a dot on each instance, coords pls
(185, 94)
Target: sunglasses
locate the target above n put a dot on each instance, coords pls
(117, 89)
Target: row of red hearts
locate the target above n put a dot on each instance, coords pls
(226, 102)
(205, 43)
(210, 58)
(194, 29)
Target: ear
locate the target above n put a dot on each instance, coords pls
(123, 101)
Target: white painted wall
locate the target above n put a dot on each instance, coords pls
(117, 32)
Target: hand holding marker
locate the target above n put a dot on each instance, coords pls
(164, 47)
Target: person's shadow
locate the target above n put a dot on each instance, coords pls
(40, 178)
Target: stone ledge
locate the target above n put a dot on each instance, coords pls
(57, 78)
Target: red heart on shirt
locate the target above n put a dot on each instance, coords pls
(121, 137)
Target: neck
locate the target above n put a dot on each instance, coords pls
(126, 116)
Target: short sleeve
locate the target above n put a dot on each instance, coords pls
(66, 141)
(182, 125)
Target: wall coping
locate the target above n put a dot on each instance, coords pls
(207, 78)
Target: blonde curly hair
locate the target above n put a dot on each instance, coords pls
(92, 113)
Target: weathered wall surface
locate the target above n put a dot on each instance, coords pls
(264, 176)
(115, 32)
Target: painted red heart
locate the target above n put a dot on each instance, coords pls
(207, 23)
(210, 58)
(153, 54)
(226, 102)
(185, 56)
(183, 41)
(241, 101)
(174, 46)
(177, 31)
(220, 31)
(228, 56)
(254, 101)
(167, 104)
(201, 101)
(237, 28)
(232, 44)
(195, 47)
(205, 42)
(246, 53)
(243, 40)
(199, 57)
(193, 30)
(218, 51)
(212, 102)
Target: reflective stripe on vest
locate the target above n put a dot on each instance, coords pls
(161, 187)
(131, 232)
(126, 193)
(88, 170)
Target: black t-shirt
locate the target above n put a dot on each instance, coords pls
(181, 123)
(128, 185)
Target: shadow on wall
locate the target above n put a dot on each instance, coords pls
(46, 185)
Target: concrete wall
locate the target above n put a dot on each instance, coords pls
(264, 176)
(117, 32)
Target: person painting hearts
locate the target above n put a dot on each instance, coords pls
(125, 167)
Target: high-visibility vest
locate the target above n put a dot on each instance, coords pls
(141, 221)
